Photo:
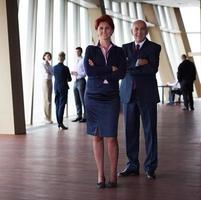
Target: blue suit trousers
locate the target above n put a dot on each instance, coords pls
(148, 113)
(60, 101)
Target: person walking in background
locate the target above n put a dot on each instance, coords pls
(79, 86)
(47, 73)
(62, 77)
(139, 95)
(105, 65)
(186, 76)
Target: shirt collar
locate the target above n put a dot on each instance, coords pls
(141, 43)
(98, 44)
(79, 57)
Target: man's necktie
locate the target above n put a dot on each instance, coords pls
(137, 48)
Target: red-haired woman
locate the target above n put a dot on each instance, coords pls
(105, 65)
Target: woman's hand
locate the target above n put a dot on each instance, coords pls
(91, 62)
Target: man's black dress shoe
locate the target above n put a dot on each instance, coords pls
(150, 175)
(128, 172)
(82, 120)
(76, 119)
(62, 127)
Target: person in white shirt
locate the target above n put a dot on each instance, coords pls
(47, 72)
(79, 87)
(174, 89)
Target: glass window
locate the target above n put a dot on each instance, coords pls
(49, 26)
(23, 22)
(72, 44)
(168, 37)
(38, 115)
(23, 19)
(85, 34)
(193, 27)
(56, 32)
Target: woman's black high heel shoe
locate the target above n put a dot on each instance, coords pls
(62, 127)
(111, 184)
(101, 185)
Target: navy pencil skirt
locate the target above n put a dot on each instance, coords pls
(102, 116)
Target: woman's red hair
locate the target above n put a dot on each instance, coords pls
(104, 18)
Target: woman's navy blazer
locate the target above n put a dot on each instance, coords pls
(101, 71)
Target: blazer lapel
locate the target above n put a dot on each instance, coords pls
(145, 44)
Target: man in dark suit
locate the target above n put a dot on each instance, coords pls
(62, 77)
(139, 95)
(186, 76)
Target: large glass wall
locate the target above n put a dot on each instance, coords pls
(193, 28)
(169, 34)
(124, 14)
(54, 26)
(61, 25)
(39, 50)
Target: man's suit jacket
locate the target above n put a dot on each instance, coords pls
(62, 77)
(143, 76)
(186, 74)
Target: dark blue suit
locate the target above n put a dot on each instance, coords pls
(141, 100)
(62, 77)
(186, 76)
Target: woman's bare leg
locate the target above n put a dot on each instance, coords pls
(98, 149)
(113, 154)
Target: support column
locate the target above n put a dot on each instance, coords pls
(94, 13)
(12, 120)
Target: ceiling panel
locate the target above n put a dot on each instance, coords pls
(171, 3)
